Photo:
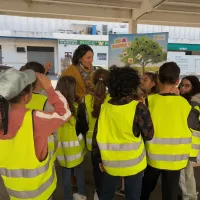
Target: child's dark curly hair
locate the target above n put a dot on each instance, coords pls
(123, 82)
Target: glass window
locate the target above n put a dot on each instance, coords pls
(101, 56)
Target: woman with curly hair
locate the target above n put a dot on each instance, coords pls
(122, 126)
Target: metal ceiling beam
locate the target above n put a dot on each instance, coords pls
(184, 1)
(180, 9)
(147, 6)
(171, 18)
(97, 3)
(183, 4)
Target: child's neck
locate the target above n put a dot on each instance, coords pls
(37, 89)
(166, 88)
(17, 106)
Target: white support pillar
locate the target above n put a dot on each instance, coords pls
(132, 26)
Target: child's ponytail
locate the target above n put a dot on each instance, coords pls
(4, 108)
(101, 82)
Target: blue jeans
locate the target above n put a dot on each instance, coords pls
(133, 186)
(66, 180)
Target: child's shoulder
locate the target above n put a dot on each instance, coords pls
(88, 97)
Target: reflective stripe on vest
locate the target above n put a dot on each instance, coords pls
(122, 153)
(24, 173)
(171, 146)
(196, 146)
(71, 158)
(71, 143)
(33, 193)
(120, 147)
(124, 163)
(168, 157)
(89, 141)
(196, 134)
(170, 141)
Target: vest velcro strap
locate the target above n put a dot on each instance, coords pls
(70, 143)
(24, 173)
(160, 157)
(71, 158)
(196, 134)
(171, 141)
(124, 163)
(120, 147)
(196, 146)
(33, 193)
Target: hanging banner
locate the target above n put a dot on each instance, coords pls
(138, 50)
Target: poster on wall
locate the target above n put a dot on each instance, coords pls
(185, 62)
(145, 52)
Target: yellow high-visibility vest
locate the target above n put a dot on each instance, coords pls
(91, 119)
(37, 102)
(171, 145)
(25, 177)
(195, 140)
(71, 148)
(122, 153)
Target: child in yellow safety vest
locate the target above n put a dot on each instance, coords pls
(122, 126)
(71, 143)
(25, 164)
(168, 152)
(93, 105)
(39, 101)
(148, 85)
(190, 90)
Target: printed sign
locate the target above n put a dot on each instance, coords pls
(138, 50)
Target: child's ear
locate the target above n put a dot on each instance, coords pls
(177, 82)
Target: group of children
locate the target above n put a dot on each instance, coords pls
(135, 128)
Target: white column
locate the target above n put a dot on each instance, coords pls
(132, 26)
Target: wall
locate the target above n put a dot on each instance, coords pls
(33, 24)
(189, 64)
(17, 59)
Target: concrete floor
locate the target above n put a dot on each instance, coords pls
(90, 185)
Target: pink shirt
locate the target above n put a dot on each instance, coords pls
(44, 123)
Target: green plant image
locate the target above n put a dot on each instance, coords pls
(147, 69)
(143, 51)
